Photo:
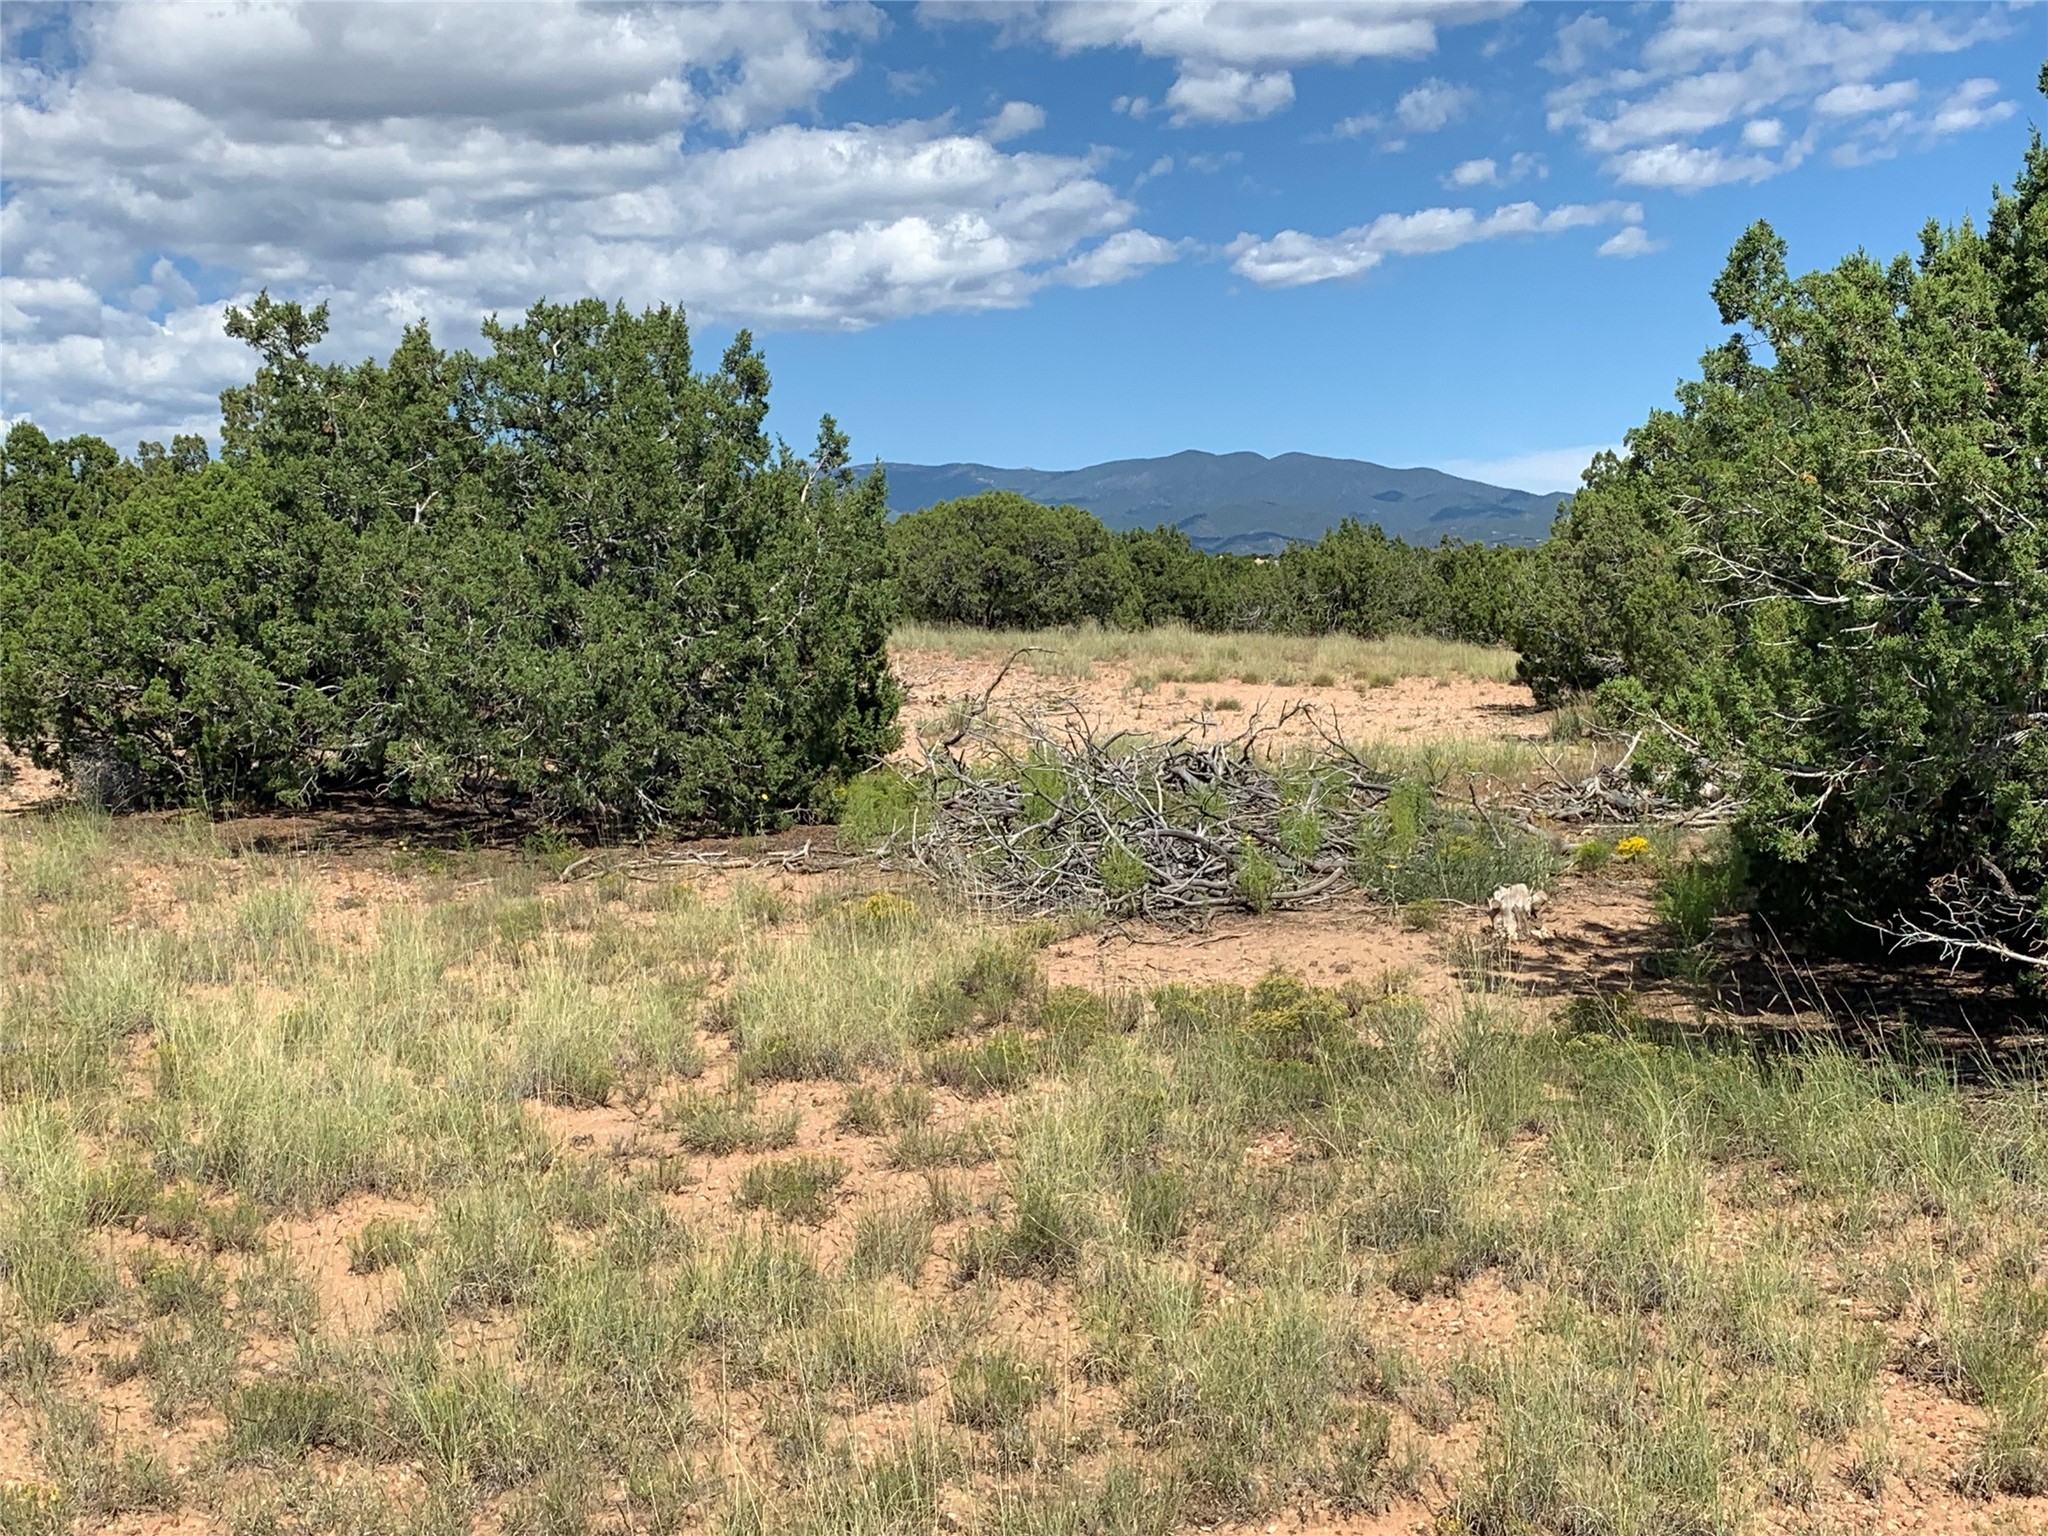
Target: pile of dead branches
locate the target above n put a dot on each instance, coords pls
(1612, 796)
(1032, 812)
(1035, 814)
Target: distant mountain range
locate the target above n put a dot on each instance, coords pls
(1246, 503)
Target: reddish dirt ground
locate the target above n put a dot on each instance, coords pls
(1408, 710)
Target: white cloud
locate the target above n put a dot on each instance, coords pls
(412, 161)
(1540, 471)
(1163, 166)
(1228, 95)
(1858, 98)
(1712, 65)
(1578, 40)
(1971, 105)
(1016, 119)
(1258, 34)
(1491, 173)
(1291, 258)
(1354, 127)
(1687, 168)
(1233, 57)
(1432, 105)
(1630, 241)
(1123, 255)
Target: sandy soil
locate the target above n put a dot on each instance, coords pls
(1409, 710)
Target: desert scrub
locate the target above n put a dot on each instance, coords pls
(850, 997)
(993, 1389)
(724, 1123)
(890, 1240)
(1219, 1184)
(797, 1189)
(1588, 1441)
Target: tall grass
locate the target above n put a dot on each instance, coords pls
(1172, 653)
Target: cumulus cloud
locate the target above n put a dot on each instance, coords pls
(1687, 168)
(1292, 259)
(1425, 108)
(1016, 119)
(1228, 95)
(408, 162)
(1660, 119)
(1489, 172)
(1233, 58)
(1629, 241)
(1163, 166)
(1432, 105)
(1123, 255)
(1579, 41)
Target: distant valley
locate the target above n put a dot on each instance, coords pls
(1246, 503)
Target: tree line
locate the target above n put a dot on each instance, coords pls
(999, 561)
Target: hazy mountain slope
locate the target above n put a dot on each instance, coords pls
(1245, 501)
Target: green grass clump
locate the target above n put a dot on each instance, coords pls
(868, 1345)
(284, 1419)
(1692, 893)
(1581, 1443)
(1001, 1062)
(383, 1242)
(721, 1124)
(491, 1246)
(890, 1240)
(1422, 848)
(994, 1390)
(795, 1189)
(841, 1002)
(880, 806)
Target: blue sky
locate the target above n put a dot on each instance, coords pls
(1469, 234)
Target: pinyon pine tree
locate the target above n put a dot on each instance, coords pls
(1823, 581)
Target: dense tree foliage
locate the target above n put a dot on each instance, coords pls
(997, 560)
(570, 572)
(1824, 580)
(1001, 561)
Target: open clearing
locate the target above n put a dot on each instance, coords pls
(407, 1187)
(1434, 705)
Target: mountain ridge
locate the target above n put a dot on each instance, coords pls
(1247, 503)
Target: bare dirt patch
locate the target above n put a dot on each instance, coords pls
(1110, 698)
